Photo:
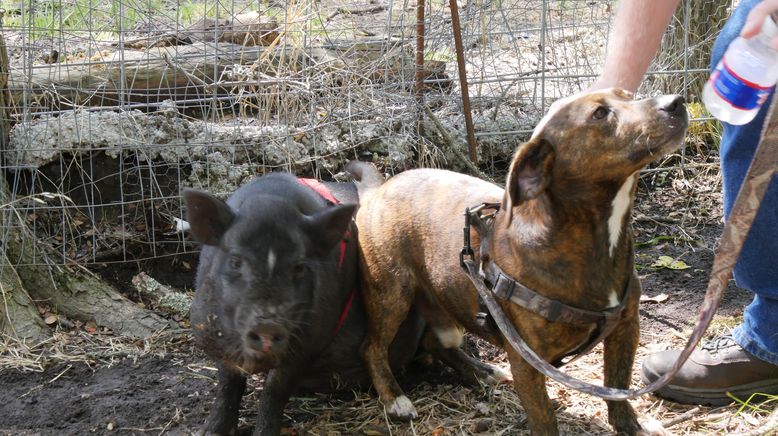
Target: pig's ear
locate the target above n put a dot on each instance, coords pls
(327, 227)
(208, 216)
(530, 171)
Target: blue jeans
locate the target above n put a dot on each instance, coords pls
(757, 267)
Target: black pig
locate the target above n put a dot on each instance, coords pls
(277, 292)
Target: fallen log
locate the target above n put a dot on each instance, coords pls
(148, 76)
(193, 75)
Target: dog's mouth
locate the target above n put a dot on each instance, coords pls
(656, 149)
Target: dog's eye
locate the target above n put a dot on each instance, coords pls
(600, 113)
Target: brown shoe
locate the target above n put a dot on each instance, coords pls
(720, 366)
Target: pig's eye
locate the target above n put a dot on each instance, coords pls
(300, 270)
(234, 262)
(600, 113)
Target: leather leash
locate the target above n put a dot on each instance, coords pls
(760, 173)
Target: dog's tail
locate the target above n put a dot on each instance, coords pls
(366, 177)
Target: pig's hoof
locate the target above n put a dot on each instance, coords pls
(499, 375)
(402, 408)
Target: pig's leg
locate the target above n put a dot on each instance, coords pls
(279, 385)
(223, 419)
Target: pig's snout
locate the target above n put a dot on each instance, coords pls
(266, 337)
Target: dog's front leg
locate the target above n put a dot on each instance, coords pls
(620, 347)
(530, 385)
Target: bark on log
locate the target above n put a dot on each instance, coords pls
(161, 296)
(247, 29)
(68, 291)
(203, 70)
(147, 76)
(18, 315)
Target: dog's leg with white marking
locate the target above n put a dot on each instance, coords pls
(386, 308)
(619, 354)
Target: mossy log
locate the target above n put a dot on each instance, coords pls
(68, 291)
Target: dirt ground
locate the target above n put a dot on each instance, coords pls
(94, 383)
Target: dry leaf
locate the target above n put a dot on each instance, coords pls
(91, 327)
(661, 298)
(51, 319)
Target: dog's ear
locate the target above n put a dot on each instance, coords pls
(530, 171)
(209, 218)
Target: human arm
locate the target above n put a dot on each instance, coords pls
(638, 28)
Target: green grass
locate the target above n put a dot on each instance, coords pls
(443, 55)
(41, 18)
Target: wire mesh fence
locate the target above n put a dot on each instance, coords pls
(115, 105)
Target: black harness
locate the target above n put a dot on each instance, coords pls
(505, 287)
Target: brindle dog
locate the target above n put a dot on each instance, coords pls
(563, 230)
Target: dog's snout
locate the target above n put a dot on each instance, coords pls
(672, 104)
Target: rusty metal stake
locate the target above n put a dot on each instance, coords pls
(463, 80)
(420, 5)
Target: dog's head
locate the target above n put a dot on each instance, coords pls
(597, 138)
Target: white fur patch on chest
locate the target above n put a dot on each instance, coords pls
(613, 299)
(620, 207)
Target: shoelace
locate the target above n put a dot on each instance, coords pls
(719, 343)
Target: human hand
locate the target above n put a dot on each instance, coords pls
(756, 18)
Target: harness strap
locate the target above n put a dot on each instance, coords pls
(506, 288)
(321, 189)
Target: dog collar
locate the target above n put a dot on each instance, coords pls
(505, 287)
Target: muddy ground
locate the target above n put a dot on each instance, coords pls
(92, 383)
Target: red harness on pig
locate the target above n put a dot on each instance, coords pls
(325, 193)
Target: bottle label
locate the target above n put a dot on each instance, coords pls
(737, 91)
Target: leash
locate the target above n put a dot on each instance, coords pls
(760, 173)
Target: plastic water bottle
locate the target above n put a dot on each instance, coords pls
(744, 78)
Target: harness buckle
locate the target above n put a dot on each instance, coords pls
(467, 250)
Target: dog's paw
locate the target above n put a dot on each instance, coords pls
(652, 427)
(499, 375)
(402, 408)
